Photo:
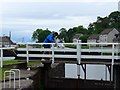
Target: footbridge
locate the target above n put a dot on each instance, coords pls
(80, 53)
(100, 53)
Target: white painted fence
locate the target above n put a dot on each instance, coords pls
(1, 53)
(112, 48)
(102, 48)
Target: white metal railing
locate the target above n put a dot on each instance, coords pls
(1, 53)
(18, 70)
(10, 75)
(113, 49)
(12, 71)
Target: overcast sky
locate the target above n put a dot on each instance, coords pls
(22, 17)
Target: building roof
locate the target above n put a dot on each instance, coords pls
(94, 36)
(107, 31)
(4, 39)
(77, 36)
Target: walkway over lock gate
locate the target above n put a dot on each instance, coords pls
(80, 53)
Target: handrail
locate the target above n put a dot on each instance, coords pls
(30, 43)
(1, 49)
(10, 72)
(18, 72)
(78, 50)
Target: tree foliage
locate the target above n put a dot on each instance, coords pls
(114, 18)
(63, 34)
(75, 30)
(110, 21)
(39, 35)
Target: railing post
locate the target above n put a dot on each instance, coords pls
(78, 71)
(10, 72)
(53, 59)
(78, 59)
(1, 57)
(113, 53)
(105, 72)
(117, 50)
(78, 53)
(27, 52)
(18, 72)
(101, 46)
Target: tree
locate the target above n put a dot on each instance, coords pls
(84, 38)
(63, 34)
(110, 21)
(39, 35)
(36, 34)
(100, 25)
(91, 29)
(75, 30)
(114, 18)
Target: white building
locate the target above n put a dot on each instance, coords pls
(119, 6)
(93, 38)
(76, 38)
(6, 41)
(108, 35)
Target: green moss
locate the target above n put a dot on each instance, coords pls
(74, 46)
(2, 70)
(32, 64)
(8, 62)
(85, 47)
(70, 46)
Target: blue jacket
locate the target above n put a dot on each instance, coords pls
(49, 39)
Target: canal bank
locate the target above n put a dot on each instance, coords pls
(50, 76)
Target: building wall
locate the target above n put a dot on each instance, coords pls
(76, 41)
(108, 38)
(92, 41)
(111, 35)
(5, 41)
(103, 38)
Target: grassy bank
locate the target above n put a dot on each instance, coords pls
(9, 62)
(12, 62)
(33, 64)
(2, 70)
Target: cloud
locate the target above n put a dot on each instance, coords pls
(22, 17)
(56, 14)
(59, 0)
(55, 10)
(25, 27)
(0, 20)
(68, 21)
